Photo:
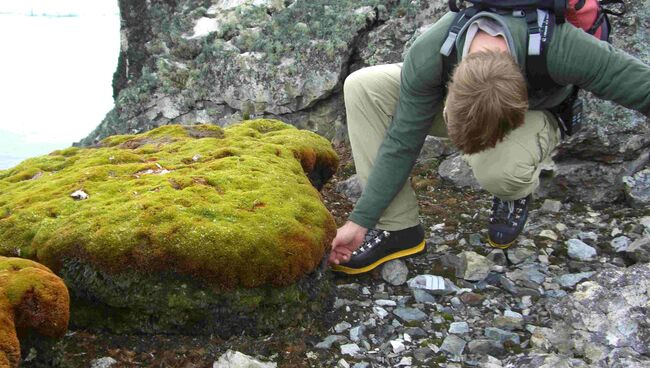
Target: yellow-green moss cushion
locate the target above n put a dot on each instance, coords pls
(32, 300)
(233, 207)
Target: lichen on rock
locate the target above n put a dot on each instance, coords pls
(222, 209)
(33, 301)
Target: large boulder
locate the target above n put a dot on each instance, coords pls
(34, 306)
(184, 228)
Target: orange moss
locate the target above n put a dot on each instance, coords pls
(32, 299)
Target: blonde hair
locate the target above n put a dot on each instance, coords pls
(486, 98)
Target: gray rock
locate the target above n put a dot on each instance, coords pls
(519, 255)
(639, 250)
(454, 346)
(422, 354)
(580, 251)
(105, 362)
(509, 321)
(350, 349)
(342, 327)
(637, 189)
(500, 335)
(410, 314)
(475, 267)
(356, 333)
(435, 148)
(620, 243)
(329, 341)
(350, 188)
(551, 206)
(457, 171)
(485, 347)
(342, 363)
(588, 235)
(459, 328)
(570, 280)
(422, 296)
(236, 359)
(395, 272)
(398, 346)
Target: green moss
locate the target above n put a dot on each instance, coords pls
(234, 207)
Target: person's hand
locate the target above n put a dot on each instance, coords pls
(348, 238)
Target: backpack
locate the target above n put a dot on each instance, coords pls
(541, 17)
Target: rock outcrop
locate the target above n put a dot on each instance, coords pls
(34, 304)
(179, 227)
(218, 61)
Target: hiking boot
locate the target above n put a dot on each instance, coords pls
(381, 246)
(507, 221)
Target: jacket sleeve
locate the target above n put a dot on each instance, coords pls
(575, 57)
(419, 101)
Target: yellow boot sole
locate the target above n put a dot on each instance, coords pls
(404, 253)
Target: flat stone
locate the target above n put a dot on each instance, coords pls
(548, 234)
(551, 206)
(580, 251)
(398, 346)
(572, 279)
(236, 359)
(422, 296)
(380, 312)
(329, 341)
(436, 285)
(106, 362)
(395, 272)
(502, 336)
(475, 266)
(472, 298)
(459, 328)
(385, 303)
(519, 255)
(342, 327)
(342, 364)
(423, 354)
(509, 321)
(410, 314)
(457, 171)
(350, 349)
(588, 235)
(453, 345)
(486, 347)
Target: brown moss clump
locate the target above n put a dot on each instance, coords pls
(32, 300)
(234, 207)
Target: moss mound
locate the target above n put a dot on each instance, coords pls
(33, 301)
(233, 207)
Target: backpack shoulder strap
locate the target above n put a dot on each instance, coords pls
(448, 49)
(541, 25)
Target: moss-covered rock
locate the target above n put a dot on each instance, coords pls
(33, 302)
(198, 211)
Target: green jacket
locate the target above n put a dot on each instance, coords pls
(573, 58)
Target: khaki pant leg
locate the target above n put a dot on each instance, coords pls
(511, 169)
(371, 96)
